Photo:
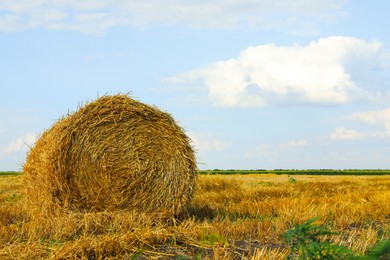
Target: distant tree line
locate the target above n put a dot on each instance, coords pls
(300, 172)
(10, 173)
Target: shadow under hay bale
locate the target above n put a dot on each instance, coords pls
(112, 154)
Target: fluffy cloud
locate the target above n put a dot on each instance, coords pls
(21, 143)
(95, 16)
(332, 70)
(341, 133)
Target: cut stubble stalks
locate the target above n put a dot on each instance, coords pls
(114, 153)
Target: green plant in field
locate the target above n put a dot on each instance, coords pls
(136, 256)
(380, 251)
(213, 238)
(291, 179)
(52, 243)
(307, 242)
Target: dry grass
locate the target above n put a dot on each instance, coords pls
(114, 153)
(230, 217)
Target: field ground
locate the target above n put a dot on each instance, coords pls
(231, 217)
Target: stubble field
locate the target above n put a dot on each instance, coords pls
(230, 217)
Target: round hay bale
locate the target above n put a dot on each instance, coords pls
(114, 153)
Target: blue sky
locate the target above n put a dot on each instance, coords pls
(256, 84)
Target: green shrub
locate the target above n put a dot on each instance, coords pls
(291, 179)
(309, 241)
(380, 251)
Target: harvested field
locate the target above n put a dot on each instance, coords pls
(230, 217)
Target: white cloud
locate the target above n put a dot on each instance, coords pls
(322, 72)
(96, 16)
(21, 143)
(93, 16)
(282, 150)
(293, 144)
(379, 118)
(341, 133)
(203, 142)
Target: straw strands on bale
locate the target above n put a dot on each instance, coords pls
(115, 153)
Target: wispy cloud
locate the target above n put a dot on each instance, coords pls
(21, 143)
(379, 118)
(342, 133)
(375, 125)
(204, 142)
(96, 16)
(332, 70)
(279, 151)
(294, 144)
